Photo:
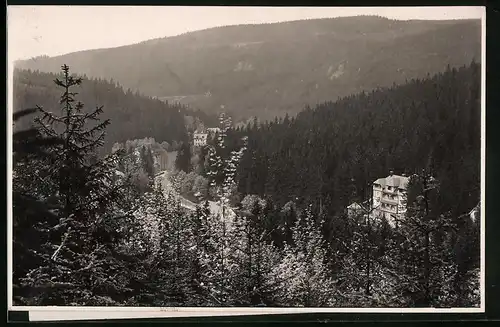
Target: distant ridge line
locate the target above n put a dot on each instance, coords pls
(297, 21)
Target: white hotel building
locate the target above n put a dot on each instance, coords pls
(389, 197)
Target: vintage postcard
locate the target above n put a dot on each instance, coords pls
(194, 161)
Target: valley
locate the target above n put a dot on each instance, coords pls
(315, 163)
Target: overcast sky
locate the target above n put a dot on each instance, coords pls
(39, 30)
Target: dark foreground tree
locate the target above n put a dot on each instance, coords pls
(422, 253)
(31, 211)
(183, 159)
(76, 262)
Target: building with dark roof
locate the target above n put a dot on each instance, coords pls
(355, 209)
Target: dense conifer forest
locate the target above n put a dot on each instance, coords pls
(134, 115)
(267, 224)
(324, 152)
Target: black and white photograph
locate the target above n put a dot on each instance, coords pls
(246, 157)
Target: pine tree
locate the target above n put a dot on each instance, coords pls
(218, 265)
(289, 214)
(466, 255)
(365, 280)
(133, 164)
(77, 271)
(255, 257)
(139, 249)
(148, 161)
(303, 271)
(426, 268)
(201, 235)
(32, 207)
(362, 270)
(183, 159)
(174, 252)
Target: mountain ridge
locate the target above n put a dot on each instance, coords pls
(156, 39)
(268, 70)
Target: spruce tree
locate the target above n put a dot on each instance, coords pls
(255, 257)
(31, 203)
(77, 270)
(183, 159)
(201, 236)
(219, 268)
(147, 161)
(466, 255)
(176, 247)
(425, 264)
(303, 272)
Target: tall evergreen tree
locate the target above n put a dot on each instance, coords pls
(32, 207)
(147, 161)
(77, 270)
(426, 268)
(183, 159)
(256, 257)
(201, 236)
(219, 266)
(303, 271)
(174, 252)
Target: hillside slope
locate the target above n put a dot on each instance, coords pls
(132, 116)
(332, 153)
(272, 69)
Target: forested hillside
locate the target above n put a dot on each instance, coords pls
(100, 231)
(272, 69)
(330, 154)
(134, 116)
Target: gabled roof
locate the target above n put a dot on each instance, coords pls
(393, 181)
(355, 206)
